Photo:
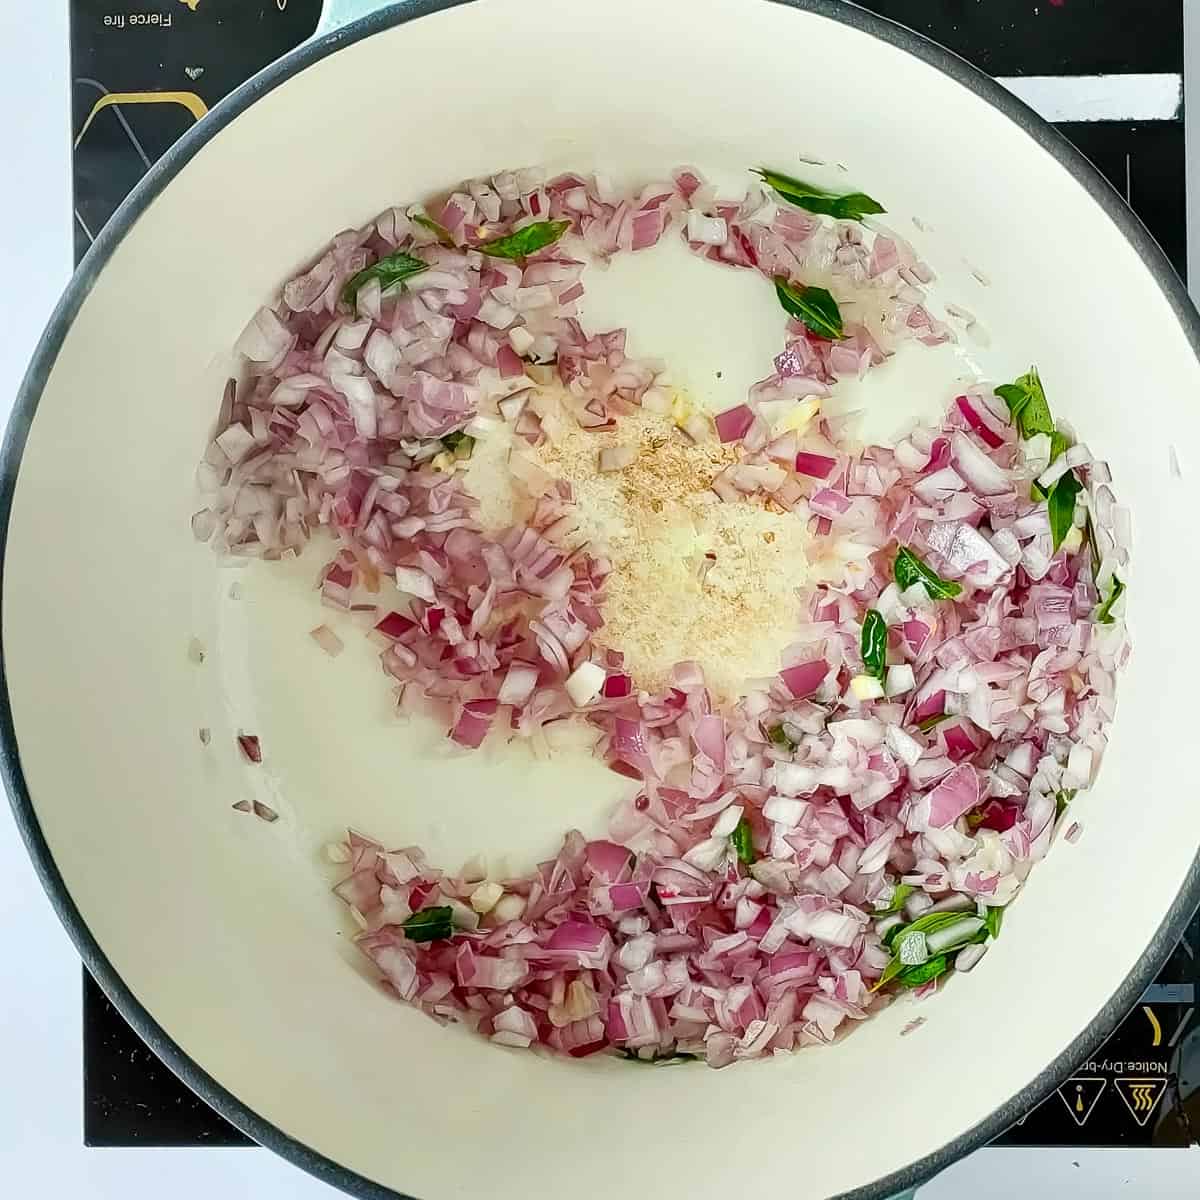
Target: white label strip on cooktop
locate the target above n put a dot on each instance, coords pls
(1100, 97)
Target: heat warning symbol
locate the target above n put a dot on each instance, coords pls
(1141, 1096)
(1080, 1096)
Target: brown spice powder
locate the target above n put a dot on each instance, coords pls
(693, 577)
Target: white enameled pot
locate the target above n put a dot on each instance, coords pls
(216, 935)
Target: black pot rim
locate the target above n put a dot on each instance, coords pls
(204, 1085)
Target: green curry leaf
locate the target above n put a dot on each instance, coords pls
(742, 839)
(851, 206)
(874, 644)
(1026, 400)
(813, 305)
(1104, 612)
(900, 893)
(1061, 507)
(913, 977)
(430, 924)
(527, 240)
(390, 270)
(909, 569)
(438, 230)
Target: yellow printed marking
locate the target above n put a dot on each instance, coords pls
(1080, 1095)
(188, 100)
(1141, 1096)
(1153, 1024)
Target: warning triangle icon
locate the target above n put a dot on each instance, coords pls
(1141, 1096)
(1080, 1095)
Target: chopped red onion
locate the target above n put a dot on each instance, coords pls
(617, 687)
(708, 231)
(733, 423)
(728, 917)
(473, 723)
(818, 466)
(967, 957)
(979, 418)
(250, 747)
(981, 474)
(805, 678)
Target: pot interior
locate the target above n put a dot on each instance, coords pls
(223, 927)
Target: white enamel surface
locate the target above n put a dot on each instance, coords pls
(719, 329)
(222, 926)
